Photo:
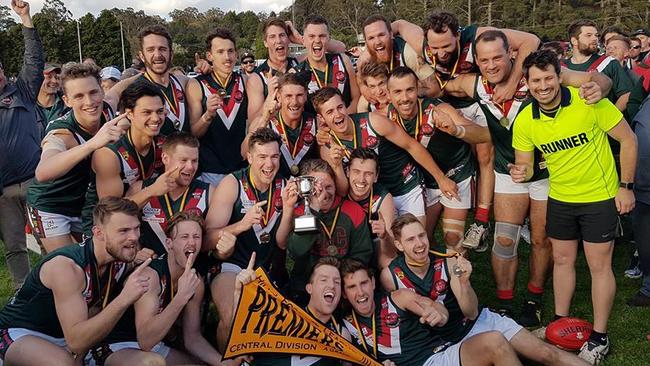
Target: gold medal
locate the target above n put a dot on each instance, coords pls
(177, 125)
(222, 93)
(265, 238)
(332, 250)
(504, 122)
(294, 170)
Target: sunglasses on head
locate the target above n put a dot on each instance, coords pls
(248, 62)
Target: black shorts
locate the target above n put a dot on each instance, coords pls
(595, 222)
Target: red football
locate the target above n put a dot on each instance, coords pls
(568, 333)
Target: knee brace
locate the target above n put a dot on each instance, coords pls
(505, 230)
(454, 226)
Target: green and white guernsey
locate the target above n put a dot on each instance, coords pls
(397, 170)
(177, 117)
(33, 306)
(453, 155)
(392, 333)
(260, 238)
(436, 286)
(133, 167)
(65, 195)
(266, 72)
(157, 212)
(500, 119)
(297, 144)
(220, 150)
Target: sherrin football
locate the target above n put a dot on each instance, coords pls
(568, 333)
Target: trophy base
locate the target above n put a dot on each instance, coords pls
(304, 224)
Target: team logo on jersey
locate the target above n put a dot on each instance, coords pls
(150, 211)
(308, 138)
(363, 122)
(180, 96)
(407, 169)
(371, 142)
(427, 130)
(521, 95)
(392, 320)
(278, 204)
(440, 286)
(8, 100)
(239, 96)
(340, 76)
(125, 154)
(194, 210)
(400, 275)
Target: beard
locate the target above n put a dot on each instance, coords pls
(115, 250)
(586, 49)
(149, 65)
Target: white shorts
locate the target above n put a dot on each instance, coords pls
(411, 202)
(211, 178)
(487, 321)
(475, 114)
(90, 360)
(537, 190)
(11, 335)
(434, 195)
(47, 225)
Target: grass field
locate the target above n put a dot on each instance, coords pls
(628, 326)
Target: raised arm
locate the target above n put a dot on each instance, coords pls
(412, 34)
(199, 119)
(450, 121)
(31, 74)
(354, 87)
(114, 94)
(60, 153)
(462, 287)
(107, 173)
(594, 86)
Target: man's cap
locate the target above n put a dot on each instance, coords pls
(49, 67)
(110, 72)
(641, 31)
(247, 55)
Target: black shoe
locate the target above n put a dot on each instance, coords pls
(639, 300)
(531, 314)
(503, 311)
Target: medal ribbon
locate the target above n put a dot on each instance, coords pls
(285, 136)
(329, 231)
(327, 71)
(345, 149)
(418, 121)
(453, 70)
(143, 173)
(221, 83)
(108, 286)
(362, 337)
(170, 209)
(173, 106)
(336, 325)
(500, 106)
(439, 254)
(266, 216)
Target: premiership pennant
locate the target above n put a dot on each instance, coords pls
(267, 322)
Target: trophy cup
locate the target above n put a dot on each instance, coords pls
(306, 222)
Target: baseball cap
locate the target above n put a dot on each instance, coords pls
(247, 55)
(49, 67)
(110, 72)
(641, 31)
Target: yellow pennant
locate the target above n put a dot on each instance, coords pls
(266, 322)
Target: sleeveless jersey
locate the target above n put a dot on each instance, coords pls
(65, 195)
(177, 118)
(453, 155)
(33, 305)
(220, 150)
(397, 170)
(297, 144)
(252, 240)
(46, 114)
(436, 286)
(500, 119)
(335, 75)
(266, 72)
(157, 212)
(130, 172)
(398, 334)
(378, 194)
(609, 66)
(398, 53)
(281, 359)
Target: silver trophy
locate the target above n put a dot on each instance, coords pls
(306, 222)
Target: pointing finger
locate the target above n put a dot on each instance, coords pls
(144, 265)
(251, 262)
(190, 261)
